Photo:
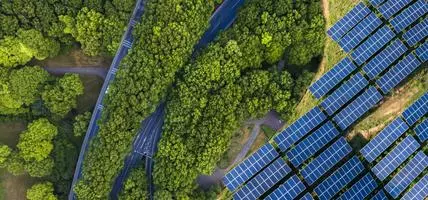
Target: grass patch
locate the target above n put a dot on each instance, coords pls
(268, 131)
(236, 144)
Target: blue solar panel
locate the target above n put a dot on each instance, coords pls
(289, 190)
(313, 143)
(344, 93)
(307, 196)
(422, 52)
(329, 80)
(398, 73)
(264, 180)
(300, 128)
(376, 2)
(384, 139)
(348, 21)
(357, 108)
(354, 37)
(250, 167)
(339, 179)
(361, 189)
(410, 15)
(394, 158)
(403, 179)
(326, 160)
(391, 7)
(422, 130)
(373, 44)
(418, 191)
(380, 196)
(384, 59)
(418, 109)
(417, 33)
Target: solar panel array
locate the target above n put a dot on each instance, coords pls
(248, 168)
(307, 196)
(398, 73)
(422, 130)
(418, 109)
(392, 7)
(312, 144)
(263, 181)
(344, 93)
(422, 52)
(395, 158)
(339, 179)
(354, 37)
(380, 196)
(326, 160)
(300, 128)
(418, 191)
(348, 21)
(357, 108)
(403, 179)
(361, 189)
(333, 77)
(417, 33)
(373, 44)
(376, 2)
(384, 139)
(384, 59)
(289, 190)
(409, 15)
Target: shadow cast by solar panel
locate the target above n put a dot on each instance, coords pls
(358, 141)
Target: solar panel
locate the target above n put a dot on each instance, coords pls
(339, 179)
(263, 181)
(409, 15)
(422, 52)
(384, 59)
(417, 33)
(249, 167)
(418, 191)
(299, 128)
(313, 143)
(289, 190)
(384, 139)
(361, 189)
(373, 44)
(354, 37)
(380, 196)
(348, 21)
(398, 73)
(394, 158)
(422, 130)
(376, 2)
(418, 109)
(391, 7)
(357, 108)
(307, 196)
(344, 93)
(326, 160)
(403, 179)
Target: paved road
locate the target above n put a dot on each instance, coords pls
(95, 71)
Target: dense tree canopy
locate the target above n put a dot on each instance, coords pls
(5, 152)
(41, 191)
(81, 123)
(135, 187)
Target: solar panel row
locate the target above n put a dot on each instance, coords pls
(263, 181)
(384, 59)
(300, 128)
(409, 15)
(354, 37)
(344, 93)
(348, 21)
(418, 109)
(422, 130)
(392, 7)
(312, 144)
(376, 2)
(417, 33)
(380, 196)
(395, 158)
(357, 108)
(398, 73)
(373, 44)
(289, 190)
(403, 179)
(422, 52)
(384, 139)
(326, 160)
(418, 191)
(333, 77)
(307, 196)
(250, 166)
(361, 189)
(339, 179)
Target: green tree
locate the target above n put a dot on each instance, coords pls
(15, 164)
(81, 123)
(39, 168)
(40, 191)
(135, 186)
(5, 152)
